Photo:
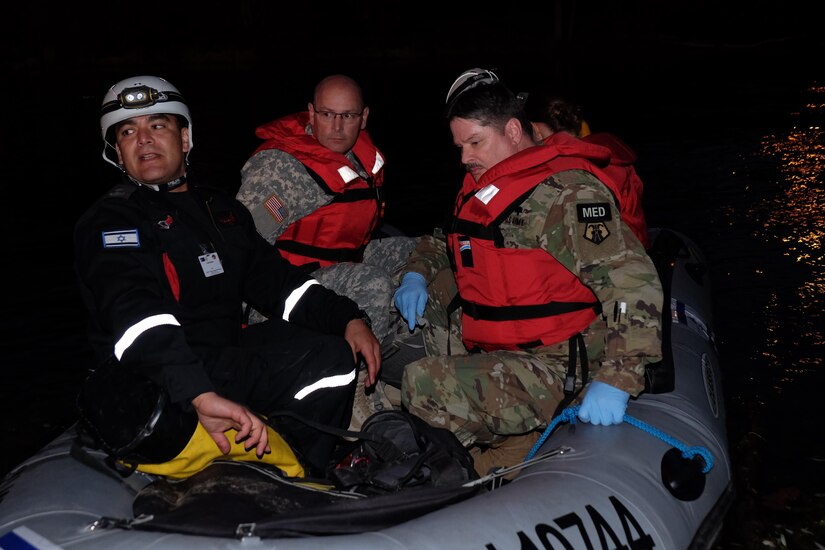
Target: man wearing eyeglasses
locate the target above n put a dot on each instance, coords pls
(315, 190)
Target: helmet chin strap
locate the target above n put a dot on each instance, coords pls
(163, 186)
(168, 186)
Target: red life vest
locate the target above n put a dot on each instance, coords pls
(630, 184)
(514, 298)
(340, 230)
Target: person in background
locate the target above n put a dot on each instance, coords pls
(165, 266)
(315, 190)
(550, 115)
(537, 290)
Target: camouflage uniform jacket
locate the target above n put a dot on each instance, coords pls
(599, 249)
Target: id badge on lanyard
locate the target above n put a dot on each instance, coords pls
(210, 264)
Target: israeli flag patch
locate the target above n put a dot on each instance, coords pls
(126, 238)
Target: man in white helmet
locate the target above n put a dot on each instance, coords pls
(164, 267)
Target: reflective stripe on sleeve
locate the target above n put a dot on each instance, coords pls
(139, 328)
(293, 298)
(328, 382)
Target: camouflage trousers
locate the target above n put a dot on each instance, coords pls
(485, 397)
(370, 283)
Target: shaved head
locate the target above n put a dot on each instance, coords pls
(339, 84)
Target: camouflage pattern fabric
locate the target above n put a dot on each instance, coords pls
(484, 397)
(442, 331)
(371, 283)
(615, 265)
(275, 173)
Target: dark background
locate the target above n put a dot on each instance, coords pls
(670, 78)
(639, 68)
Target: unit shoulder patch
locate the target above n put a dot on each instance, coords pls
(596, 233)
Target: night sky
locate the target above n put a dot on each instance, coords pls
(244, 63)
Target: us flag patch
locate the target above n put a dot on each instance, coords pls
(275, 207)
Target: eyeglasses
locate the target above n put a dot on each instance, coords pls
(329, 116)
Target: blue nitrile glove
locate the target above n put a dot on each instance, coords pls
(603, 404)
(411, 297)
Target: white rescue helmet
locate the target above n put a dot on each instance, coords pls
(470, 79)
(138, 96)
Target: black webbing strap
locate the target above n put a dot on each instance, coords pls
(329, 254)
(519, 313)
(577, 353)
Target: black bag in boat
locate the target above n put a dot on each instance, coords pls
(398, 450)
(128, 416)
(232, 499)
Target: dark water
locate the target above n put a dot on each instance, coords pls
(732, 154)
(753, 199)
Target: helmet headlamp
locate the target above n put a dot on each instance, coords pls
(139, 97)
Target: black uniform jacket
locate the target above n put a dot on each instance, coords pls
(165, 274)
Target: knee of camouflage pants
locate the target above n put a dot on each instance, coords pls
(424, 393)
(483, 397)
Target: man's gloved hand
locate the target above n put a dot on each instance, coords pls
(411, 297)
(603, 404)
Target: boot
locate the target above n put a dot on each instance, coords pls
(508, 453)
(398, 350)
(392, 394)
(369, 400)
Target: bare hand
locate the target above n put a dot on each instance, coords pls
(363, 341)
(218, 415)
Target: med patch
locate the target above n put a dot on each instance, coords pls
(593, 215)
(593, 212)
